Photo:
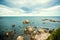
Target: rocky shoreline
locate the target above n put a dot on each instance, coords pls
(35, 34)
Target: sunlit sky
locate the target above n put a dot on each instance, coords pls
(29, 7)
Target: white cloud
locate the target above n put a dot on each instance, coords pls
(52, 11)
(29, 3)
(4, 10)
(52, 8)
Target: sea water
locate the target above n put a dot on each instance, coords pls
(35, 21)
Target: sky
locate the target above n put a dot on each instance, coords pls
(29, 7)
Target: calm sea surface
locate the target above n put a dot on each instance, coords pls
(35, 21)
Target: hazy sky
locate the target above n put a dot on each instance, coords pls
(30, 7)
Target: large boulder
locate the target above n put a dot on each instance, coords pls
(28, 30)
(26, 21)
(20, 38)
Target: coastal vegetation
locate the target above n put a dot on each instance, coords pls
(55, 35)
